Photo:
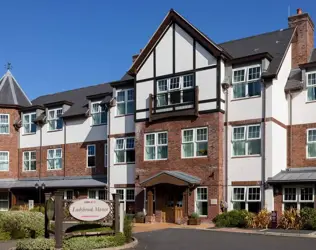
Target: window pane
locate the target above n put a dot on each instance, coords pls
(201, 193)
(69, 194)
(254, 132)
(239, 133)
(50, 164)
(239, 75)
(254, 73)
(311, 150)
(4, 205)
(311, 93)
(201, 134)
(188, 95)
(239, 205)
(312, 135)
(130, 95)
(120, 108)
(202, 207)
(306, 194)
(58, 163)
(188, 149)
(254, 147)
(26, 156)
(162, 138)
(254, 88)
(174, 83)
(130, 108)
(201, 148)
(239, 90)
(188, 81)
(102, 195)
(33, 165)
(96, 118)
(121, 96)
(175, 97)
(91, 161)
(239, 148)
(130, 143)
(120, 156)
(92, 194)
(254, 194)
(290, 194)
(162, 100)
(238, 194)
(130, 194)
(254, 207)
(119, 144)
(130, 156)
(187, 135)
(58, 153)
(150, 139)
(59, 123)
(121, 193)
(150, 153)
(311, 79)
(162, 152)
(91, 150)
(162, 85)
(95, 108)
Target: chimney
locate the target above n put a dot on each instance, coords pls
(134, 57)
(303, 40)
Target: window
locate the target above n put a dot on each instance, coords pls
(28, 123)
(125, 150)
(4, 124)
(311, 143)
(246, 140)
(194, 142)
(201, 201)
(29, 161)
(127, 195)
(98, 114)
(99, 194)
(54, 159)
(91, 156)
(105, 155)
(156, 146)
(175, 90)
(298, 197)
(125, 102)
(4, 161)
(311, 87)
(4, 201)
(246, 82)
(248, 198)
(54, 119)
(68, 194)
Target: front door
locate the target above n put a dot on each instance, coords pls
(173, 206)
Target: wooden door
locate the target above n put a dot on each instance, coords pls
(174, 210)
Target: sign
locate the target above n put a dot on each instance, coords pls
(89, 209)
(274, 219)
(213, 201)
(31, 204)
(50, 209)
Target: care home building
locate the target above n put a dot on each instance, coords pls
(193, 124)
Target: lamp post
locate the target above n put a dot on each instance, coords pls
(39, 191)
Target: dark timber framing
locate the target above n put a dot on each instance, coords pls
(174, 48)
(218, 83)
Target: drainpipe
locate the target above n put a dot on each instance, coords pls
(291, 129)
(64, 153)
(108, 143)
(41, 138)
(226, 144)
(263, 136)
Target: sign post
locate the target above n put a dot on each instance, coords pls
(59, 217)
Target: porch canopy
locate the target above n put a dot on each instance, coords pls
(294, 175)
(171, 177)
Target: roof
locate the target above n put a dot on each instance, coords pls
(11, 93)
(76, 96)
(177, 174)
(294, 81)
(313, 56)
(275, 43)
(305, 174)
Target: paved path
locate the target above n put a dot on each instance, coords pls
(187, 239)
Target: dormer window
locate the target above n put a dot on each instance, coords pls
(29, 126)
(54, 119)
(246, 82)
(311, 87)
(98, 114)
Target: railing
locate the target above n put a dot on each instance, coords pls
(173, 103)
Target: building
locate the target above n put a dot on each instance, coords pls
(192, 125)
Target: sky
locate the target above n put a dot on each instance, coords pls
(58, 45)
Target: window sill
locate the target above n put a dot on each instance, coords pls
(123, 163)
(4, 170)
(90, 167)
(310, 158)
(55, 169)
(28, 134)
(56, 130)
(245, 98)
(4, 133)
(117, 116)
(156, 160)
(28, 171)
(245, 156)
(307, 102)
(98, 125)
(194, 157)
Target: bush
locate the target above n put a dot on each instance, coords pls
(22, 224)
(308, 216)
(291, 219)
(234, 218)
(128, 228)
(15, 208)
(261, 220)
(36, 244)
(194, 216)
(40, 209)
(93, 242)
(88, 228)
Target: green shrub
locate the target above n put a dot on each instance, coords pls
(308, 217)
(22, 224)
(291, 219)
(194, 216)
(36, 244)
(15, 208)
(260, 220)
(40, 209)
(93, 242)
(88, 228)
(234, 218)
(128, 228)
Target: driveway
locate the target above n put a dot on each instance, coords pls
(188, 239)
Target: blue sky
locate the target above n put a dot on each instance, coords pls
(57, 45)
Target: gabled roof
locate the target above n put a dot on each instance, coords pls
(11, 92)
(294, 81)
(275, 43)
(76, 96)
(171, 17)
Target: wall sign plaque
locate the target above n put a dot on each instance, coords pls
(89, 209)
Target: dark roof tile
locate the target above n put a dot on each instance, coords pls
(294, 81)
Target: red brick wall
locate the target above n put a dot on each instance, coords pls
(10, 143)
(209, 169)
(278, 198)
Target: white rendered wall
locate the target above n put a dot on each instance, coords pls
(203, 57)
(147, 70)
(30, 140)
(183, 50)
(143, 89)
(164, 52)
(52, 137)
(206, 80)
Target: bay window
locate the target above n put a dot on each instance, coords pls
(4, 124)
(246, 82)
(311, 143)
(201, 201)
(298, 197)
(54, 159)
(125, 150)
(246, 140)
(194, 142)
(29, 127)
(54, 119)
(248, 198)
(156, 146)
(311, 86)
(125, 102)
(29, 161)
(98, 114)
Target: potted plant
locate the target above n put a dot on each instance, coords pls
(140, 217)
(194, 219)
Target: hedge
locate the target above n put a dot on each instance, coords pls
(36, 244)
(234, 218)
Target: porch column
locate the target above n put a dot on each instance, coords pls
(150, 203)
(185, 202)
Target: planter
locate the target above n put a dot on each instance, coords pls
(194, 221)
(140, 220)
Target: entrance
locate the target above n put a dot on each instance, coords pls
(173, 206)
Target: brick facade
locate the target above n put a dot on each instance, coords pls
(209, 169)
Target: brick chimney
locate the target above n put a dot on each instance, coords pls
(303, 40)
(134, 57)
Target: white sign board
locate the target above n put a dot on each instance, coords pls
(213, 201)
(89, 209)
(31, 204)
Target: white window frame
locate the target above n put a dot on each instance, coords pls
(195, 142)
(5, 161)
(54, 158)
(296, 195)
(156, 145)
(97, 193)
(245, 194)
(65, 193)
(7, 200)
(124, 149)
(246, 199)
(125, 200)
(8, 124)
(55, 119)
(95, 155)
(203, 200)
(98, 112)
(308, 142)
(309, 86)
(29, 161)
(29, 123)
(246, 80)
(246, 139)
(298, 199)
(126, 101)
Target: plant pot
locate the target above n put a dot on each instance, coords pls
(140, 220)
(194, 221)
